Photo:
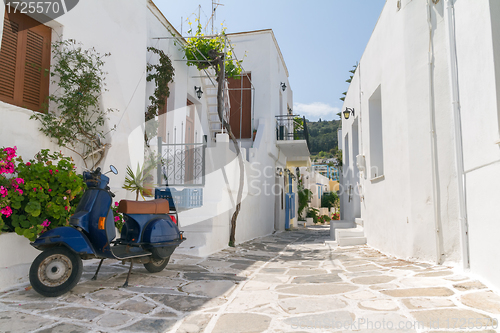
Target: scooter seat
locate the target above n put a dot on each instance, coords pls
(157, 206)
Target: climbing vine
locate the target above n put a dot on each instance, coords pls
(77, 122)
(201, 52)
(162, 74)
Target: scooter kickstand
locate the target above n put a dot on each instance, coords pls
(128, 275)
(98, 268)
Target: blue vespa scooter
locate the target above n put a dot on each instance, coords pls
(149, 236)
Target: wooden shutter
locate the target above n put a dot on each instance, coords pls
(24, 61)
(240, 97)
(8, 54)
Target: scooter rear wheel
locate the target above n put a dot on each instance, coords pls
(55, 271)
(156, 265)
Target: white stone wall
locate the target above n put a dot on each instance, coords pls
(419, 191)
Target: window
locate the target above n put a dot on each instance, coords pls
(240, 99)
(24, 61)
(376, 139)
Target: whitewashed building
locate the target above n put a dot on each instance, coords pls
(421, 144)
(125, 29)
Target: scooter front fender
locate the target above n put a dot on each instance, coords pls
(66, 236)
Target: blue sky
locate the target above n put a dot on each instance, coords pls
(320, 40)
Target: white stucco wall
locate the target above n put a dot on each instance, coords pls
(398, 207)
(402, 211)
(477, 33)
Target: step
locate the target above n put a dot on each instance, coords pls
(340, 224)
(359, 221)
(351, 241)
(352, 232)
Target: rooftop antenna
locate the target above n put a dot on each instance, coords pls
(212, 16)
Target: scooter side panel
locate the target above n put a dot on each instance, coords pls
(68, 236)
(161, 229)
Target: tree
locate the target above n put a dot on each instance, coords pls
(204, 52)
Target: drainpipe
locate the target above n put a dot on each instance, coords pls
(435, 184)
(459, 153)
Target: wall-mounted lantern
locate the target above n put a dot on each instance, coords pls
(283, 86)
(198, 91)
(279, 172)
(347, 112)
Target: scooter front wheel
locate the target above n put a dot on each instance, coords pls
(55, 271)
(156, 265)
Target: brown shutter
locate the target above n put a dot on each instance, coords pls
(32, 68)
(8, 54)
(24, 62)
(240, 98)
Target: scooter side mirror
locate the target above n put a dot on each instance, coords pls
(113, 169)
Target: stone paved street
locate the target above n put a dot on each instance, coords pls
(288, 282)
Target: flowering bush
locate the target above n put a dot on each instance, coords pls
(42, 196)
(335, 216)
(324, 218)
(118, 217)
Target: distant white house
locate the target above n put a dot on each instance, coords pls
(421, 145)
(261, 101)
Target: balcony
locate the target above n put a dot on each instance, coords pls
(292, 138)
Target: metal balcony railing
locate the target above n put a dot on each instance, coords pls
(292, 127)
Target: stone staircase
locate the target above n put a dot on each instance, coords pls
(209, 87)
(346, 233)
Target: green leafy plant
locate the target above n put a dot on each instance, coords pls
(304, 196)
(329, 199)
(43, 195)
(201, 51)
(137, 182)
(335, 216)
(77, 121)
(324, 218)
(162, 74)
(314, 213)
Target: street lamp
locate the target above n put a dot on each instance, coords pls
(198, 91)
(347, 112)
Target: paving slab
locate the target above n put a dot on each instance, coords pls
(427, 303)
(439, 291)
(370, 280)
(242, 323)
(486, 301)
(469, 285)
(18, 322)
(452, 319)
(297, 305)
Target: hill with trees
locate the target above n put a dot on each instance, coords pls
(323, 137)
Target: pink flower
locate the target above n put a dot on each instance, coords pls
(117, 218)
(66, 208)
(3, 191)
(116, 203)
(50, 171)
(7, 211)
(57, 170)
(45, 223)
(28, 164)
(19, 181)
(20, 191)
(34, 189)
(64, 198)
(50, 190)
